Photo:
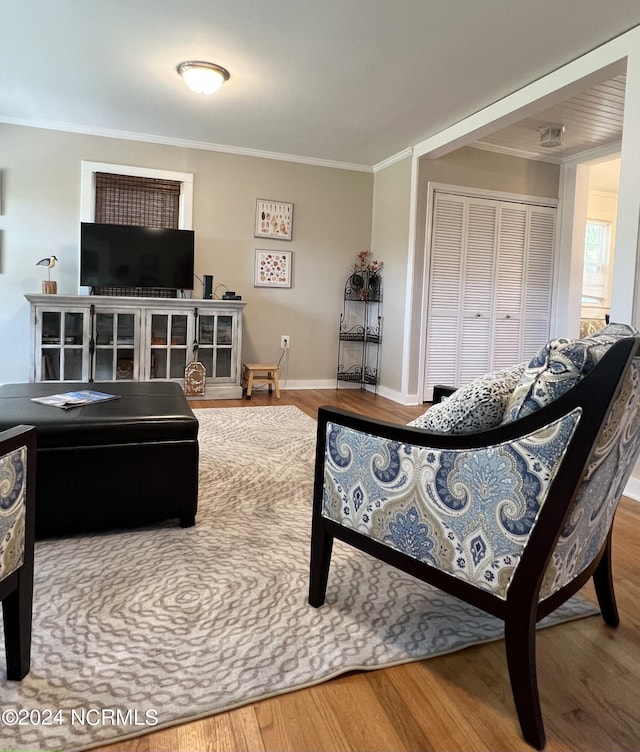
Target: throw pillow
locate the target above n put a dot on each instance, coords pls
(477, 406)
(558, 366)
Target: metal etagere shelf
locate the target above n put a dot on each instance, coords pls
(360, 332)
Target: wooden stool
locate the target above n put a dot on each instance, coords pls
(260, 373)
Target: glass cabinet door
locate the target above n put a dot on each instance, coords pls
(169, 345)
(206, 339)
(62, 339)
(115, 356)
(215, 344)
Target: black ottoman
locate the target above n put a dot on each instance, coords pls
(116, 464)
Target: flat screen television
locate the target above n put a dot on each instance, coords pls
(127, 256)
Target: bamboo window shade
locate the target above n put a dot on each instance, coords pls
(131, 200)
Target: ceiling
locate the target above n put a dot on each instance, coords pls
(592, 119)
(342, 81)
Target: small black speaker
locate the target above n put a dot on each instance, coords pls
(207, 286)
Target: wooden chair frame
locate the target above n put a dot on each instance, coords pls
(16, 590)
(521, 609)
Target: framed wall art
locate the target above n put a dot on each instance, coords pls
(273, 269)
(273, 219)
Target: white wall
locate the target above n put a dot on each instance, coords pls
(624, 304)
(389, 242)
(570, 231)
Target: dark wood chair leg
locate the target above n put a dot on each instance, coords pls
(603, 583)
(321, 548)
(17, 617)
(520, 643)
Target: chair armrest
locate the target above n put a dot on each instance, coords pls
(463, 504)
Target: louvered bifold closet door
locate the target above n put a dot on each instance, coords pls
(538, 279)
(490, 286)
(474, 356)
(460, 289)
(523, 282)
(445, 281)
(510, 283)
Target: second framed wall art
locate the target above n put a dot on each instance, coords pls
(273, 269)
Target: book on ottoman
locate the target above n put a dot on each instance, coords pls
(75, 399)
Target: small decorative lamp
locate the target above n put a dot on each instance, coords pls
(49, 287)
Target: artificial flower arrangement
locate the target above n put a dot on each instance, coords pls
(366, 264)
(364, 275)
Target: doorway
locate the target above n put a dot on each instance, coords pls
(599, 225)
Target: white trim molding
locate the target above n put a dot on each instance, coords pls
(404, 154)
(383, 391)
(632, 489)
(88, 187)
(185, 144)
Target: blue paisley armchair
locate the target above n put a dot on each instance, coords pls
(17, 533)
(513, 520)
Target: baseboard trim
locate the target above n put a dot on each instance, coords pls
(383, 391)
(314, 384)
(402, 399)
(632, 489)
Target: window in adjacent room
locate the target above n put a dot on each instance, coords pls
(597, 263)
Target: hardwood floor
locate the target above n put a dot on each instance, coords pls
(589, 674)
(309, 400)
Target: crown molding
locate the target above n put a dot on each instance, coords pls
(186, 144)
(597, 153)
(393, 159)
(512, 152)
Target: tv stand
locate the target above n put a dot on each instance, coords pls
(120, 338)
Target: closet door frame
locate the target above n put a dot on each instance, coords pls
(434, 188)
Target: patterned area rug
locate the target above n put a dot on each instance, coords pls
(142, 629)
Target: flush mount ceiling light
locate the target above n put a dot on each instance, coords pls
(202, 77)
(551, 134)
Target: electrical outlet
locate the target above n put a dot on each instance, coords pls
(284, 342)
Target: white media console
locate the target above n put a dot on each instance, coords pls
(109, 338)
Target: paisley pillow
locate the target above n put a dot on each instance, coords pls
(558, 366)
(478, 406)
